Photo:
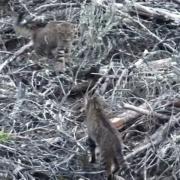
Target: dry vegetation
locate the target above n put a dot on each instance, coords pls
(130, 54)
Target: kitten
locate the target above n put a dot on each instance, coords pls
(103, 135)
(51, 39)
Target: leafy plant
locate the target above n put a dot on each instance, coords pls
(4, 136)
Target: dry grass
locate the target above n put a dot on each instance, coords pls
(41, 124)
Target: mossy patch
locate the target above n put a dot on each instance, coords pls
(4, 136)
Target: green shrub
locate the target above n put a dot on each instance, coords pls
(4, 136)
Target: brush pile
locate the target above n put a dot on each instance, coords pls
(128, 51)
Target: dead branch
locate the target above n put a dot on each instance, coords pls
(161, 64)
(127, 117)
(157, 13)
(144, 111)
(156, 138)
(154, 12)
(16, 54)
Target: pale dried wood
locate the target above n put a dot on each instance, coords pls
(154, 12)
(132, 113)
(127, 116)
(145, 111)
